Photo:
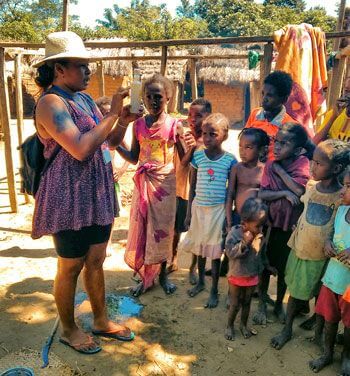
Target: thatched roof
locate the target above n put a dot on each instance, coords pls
(225, 71)
(114, 68)
(176, 69)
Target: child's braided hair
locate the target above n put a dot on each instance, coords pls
(337, 151)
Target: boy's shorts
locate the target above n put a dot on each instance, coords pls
(74, 244)
(333, 307)
(180, 216)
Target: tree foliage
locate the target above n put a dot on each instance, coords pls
(31, 20)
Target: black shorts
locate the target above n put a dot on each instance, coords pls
(277, 249)
(73, 244)
(181, 211)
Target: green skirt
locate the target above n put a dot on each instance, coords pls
(303, 277)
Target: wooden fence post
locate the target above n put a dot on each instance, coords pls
(337, 75)
(19, 109)
(101, 79)
(164, 60)
(193, 76)
(267, 61)
(5, 120)
(65, 16)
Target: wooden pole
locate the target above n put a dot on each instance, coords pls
(337, 75)
(164, 59)
(19, 109)
(267, 61)
(5, 120)
(65, 17)
(173, 42)
(193, 76)
(101, 79)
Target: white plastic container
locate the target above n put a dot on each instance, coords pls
(135, 92)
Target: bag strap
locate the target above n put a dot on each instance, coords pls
(58, 146)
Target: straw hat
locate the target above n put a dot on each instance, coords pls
(63, 45)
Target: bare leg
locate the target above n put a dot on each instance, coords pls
(293, 308)
(200, 286)
(214, 296)
(234, 293)
(345, 367)
(168, 287)
(192, 274)
(260, 317)
(318, 336)
(68, 270)
(173, 266)
(246, 301)
(281, 291)
(94, 282)
(329, 342)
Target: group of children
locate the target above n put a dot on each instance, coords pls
(283, 223)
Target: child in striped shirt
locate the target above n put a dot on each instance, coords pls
(206, 209)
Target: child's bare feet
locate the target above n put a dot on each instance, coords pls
(213, 300)
(168, 287)
(321, 362)
(192, 277)
(195, 290)
(345, 366)
(279, 313)
(247, 332)
(230, 333)
(260, 316)
(279, 340)
(309, 324)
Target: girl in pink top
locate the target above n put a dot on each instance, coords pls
(152, 215)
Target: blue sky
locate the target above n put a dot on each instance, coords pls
(89, 11)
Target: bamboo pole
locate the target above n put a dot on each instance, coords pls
(19, 109)
(101, 79)
(65, 16)
(5, 120)
(193, 76)
(163, 61)
(172, 42)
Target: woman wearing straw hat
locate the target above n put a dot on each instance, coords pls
(75, 202)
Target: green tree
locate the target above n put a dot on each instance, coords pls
(298, 5)
(185, 10)
(142, 21)
(30, 20)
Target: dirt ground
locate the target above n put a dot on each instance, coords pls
(175, 335)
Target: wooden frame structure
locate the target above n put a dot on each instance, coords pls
(265, 68)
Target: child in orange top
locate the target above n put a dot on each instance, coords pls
(272, 115)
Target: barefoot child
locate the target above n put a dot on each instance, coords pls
(333, 304)
(206, 209)
(282, 184)
(307, 261)
(245, 176)
(152, 214)
(198, 111)
(245, 250)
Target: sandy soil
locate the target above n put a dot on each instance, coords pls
(175, 334)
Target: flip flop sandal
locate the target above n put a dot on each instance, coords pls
(82, 351)
(114, 334)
